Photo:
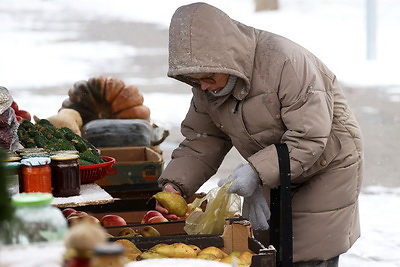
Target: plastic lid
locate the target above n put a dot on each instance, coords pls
(12, 165)
(35, 161)
(31, 199)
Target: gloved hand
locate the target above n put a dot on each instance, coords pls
(245, 178)
(256, 210)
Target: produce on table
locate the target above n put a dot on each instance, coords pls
(130, 249)
(20, 113)
(149, 231)
(149, 214)
(174, 203)
(106, 98)
(67, 117)
(68, 211)
(112, 220)
(45, 135)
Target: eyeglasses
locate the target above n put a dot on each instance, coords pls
(207, 79)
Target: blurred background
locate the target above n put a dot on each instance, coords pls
(48, 45)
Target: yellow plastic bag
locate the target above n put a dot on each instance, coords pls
(220, 205)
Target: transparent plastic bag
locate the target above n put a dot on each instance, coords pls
(220, 205)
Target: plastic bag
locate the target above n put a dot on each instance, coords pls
(220, 205)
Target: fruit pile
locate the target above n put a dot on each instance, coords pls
(182, 250)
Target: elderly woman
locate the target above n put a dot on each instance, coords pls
(253, 89)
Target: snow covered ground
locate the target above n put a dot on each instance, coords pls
(335, 30)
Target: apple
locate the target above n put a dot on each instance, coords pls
(150, 214)
(24, 114)
(157, 219)
(112, 220)
(68, 211)
(14, 106)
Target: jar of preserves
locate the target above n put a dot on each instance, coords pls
(65, 175)
(108, 254)
(12, 177)
(36, 174)
(36, 220)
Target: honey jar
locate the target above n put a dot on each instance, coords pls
(36, 174)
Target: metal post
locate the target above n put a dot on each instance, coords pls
(371, 29)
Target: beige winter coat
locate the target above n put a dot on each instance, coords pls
(284, 95)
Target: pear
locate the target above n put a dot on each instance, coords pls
(174, 203)
(155, 247)
(245, 257)
(217, 252)
(207, 256)
(177, 250)
(129, 247)
(150, 254)
(195, 248)
(149, 231)
(126, 231)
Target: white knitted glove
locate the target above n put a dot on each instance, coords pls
(256, 210)
(245, 178)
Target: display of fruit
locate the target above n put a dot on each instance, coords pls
(112, 220)
(150, 214)
(130, 249)
(68, 211)
(106, 98)
(174, 203)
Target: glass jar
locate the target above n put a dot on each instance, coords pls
(36, 220)
(12, 177)
(36, 174)
(108, 254)
(65, 175)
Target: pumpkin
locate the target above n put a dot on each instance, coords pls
(106, 98)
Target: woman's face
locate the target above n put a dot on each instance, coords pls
(210, 81)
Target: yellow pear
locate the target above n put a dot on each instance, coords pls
(150, 254)
(176, 250)
(195, 248)
(245, 257)
(207, 256)
(149, 231)
(235, 254)
(129, 247)
(217, 252)
(174, 203)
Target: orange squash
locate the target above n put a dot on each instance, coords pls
(106, 98)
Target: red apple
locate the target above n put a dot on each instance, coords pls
(68, 211)
(24, 114)
(157, 219)
(14, 106)
(112, 220)
(150, 214)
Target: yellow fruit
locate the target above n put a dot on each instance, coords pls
(126, 231)
(129, 247)
(150, 255)
(217, 252)
(245, 257)
(174, 203)
(195, 248)
(149, 231)
(155, 247)
(176, 250)
(235, 254)
(207, 256)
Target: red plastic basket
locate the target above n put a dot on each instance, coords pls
(94, 172)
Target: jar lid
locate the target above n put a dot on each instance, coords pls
(74, 152)
(108, 249)
(35, 161)
(30, 150)
(64, 156)
(31, 199)
(12, 159)
(12, 165)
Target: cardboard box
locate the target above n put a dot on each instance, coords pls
(236, 237)
(137, 167)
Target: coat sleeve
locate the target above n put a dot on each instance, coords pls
(199, 155)
(306, 97)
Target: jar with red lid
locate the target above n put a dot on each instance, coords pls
(65, 175)
(36, 174)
